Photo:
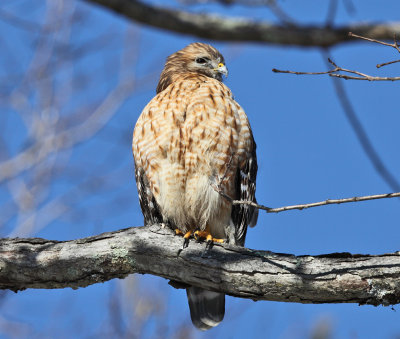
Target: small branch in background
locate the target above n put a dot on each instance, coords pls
(355, 123)
(362, 135)
(335, 72)
(387, 63)
(315, 204)
(395, 45)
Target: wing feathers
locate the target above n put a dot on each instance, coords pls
(244, 215)
(149, 206)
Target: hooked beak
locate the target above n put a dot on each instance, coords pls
(221, 69)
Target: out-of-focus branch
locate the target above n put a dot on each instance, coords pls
(54, 123)
(18, 22)
(215, 27)
(237, 271)
(68, 138)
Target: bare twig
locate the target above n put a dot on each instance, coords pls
(395, 45)
(352, 117)
(303, 73)
(361, 76)
(387, 63)
(335, 73)
(364, 77)
(362, 134)
(218, 189)
(316, 204)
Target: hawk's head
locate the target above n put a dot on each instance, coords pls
(194, 58)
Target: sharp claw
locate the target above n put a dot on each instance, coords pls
(198, 236)
(185, 243)
(186, 237)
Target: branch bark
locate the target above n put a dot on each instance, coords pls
(237, 271)
(215, 27)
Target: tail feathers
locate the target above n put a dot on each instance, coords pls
(207, 308)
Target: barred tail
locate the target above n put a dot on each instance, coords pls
(207, 308)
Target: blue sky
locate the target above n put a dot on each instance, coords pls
(307, 152)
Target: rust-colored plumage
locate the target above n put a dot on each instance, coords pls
(191, 139)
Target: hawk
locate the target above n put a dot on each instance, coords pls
(194, 152)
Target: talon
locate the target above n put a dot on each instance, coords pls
(178, 231)
(186, 239)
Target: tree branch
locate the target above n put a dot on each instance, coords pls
(215, 27)
(237, 271)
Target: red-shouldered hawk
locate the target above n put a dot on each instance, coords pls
(192, 142)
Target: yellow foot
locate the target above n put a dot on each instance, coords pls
(187, 234)
(207, 236)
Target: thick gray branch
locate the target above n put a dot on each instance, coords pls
(240, 272)
(215, 27)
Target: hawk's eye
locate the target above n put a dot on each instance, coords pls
(201, 60)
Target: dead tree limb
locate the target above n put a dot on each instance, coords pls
(240, 272)
(215, 27)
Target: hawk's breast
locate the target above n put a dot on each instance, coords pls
(190, 140)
